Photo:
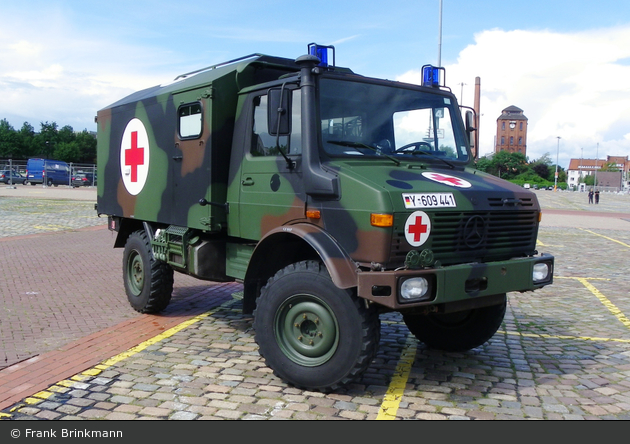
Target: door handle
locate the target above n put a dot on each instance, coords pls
(248, 181)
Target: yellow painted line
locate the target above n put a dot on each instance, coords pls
(609, 305)
(396, 388)
(50, 227)
(599, 295)
(395, 391)
(43, 394)
(76, 379)
(540, 244)
(574, 338)
(167, 334)
(606, 237)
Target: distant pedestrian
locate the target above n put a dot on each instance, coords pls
(590, 196)
(597, 196)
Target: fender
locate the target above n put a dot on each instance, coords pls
(341, 267)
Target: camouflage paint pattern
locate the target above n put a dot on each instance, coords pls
(256, 207)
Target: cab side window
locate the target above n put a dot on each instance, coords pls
(263, 143)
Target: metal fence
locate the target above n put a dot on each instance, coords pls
(19, 166)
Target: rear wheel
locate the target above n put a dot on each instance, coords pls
(459, 331)
(148, 282)
(311, 333)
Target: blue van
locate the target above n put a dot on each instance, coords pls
(50, 172)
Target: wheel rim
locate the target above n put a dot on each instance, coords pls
(135, 273)
(306, 330)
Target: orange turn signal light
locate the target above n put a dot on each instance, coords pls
(382, 220)
(313, 214)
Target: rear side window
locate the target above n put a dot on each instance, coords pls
(190, 121)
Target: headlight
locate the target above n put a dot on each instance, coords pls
(414, 289)
(541, 272)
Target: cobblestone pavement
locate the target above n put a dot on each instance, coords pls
(28, 209)
(562, 353)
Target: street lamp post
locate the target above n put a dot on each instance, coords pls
(555, 184)
(461, 96)
(439, 60)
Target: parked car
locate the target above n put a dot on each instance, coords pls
(9, 176)
(83, 180)
(80, 180)
(91, 177)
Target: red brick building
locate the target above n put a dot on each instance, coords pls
(511, 131)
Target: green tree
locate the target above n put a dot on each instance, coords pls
(8, 139)
(509, 165)
(51, 142)
(540, 169)
(484, 164)
(67, 151)
(66, 135)
(26, 141)
(87, 147)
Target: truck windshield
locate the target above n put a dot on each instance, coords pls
(372, 120)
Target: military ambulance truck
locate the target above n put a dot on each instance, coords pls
(332, 197)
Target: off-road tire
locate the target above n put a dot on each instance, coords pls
(148, 282)
(311, 333)
(459, 331)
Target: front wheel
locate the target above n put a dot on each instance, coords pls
(148, 282)
(459, 331)
(312, 334)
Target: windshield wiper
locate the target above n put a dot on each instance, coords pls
(357, 145)
(427, 153)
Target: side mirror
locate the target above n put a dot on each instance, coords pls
(470, 127)
(470, 122)
(279, 112)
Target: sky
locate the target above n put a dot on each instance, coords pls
(566, 64)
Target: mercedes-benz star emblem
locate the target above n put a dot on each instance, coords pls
(474, 232)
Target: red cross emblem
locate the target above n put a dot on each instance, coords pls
(454, 180)
(417, 228)
(448, 180)
(134, 156)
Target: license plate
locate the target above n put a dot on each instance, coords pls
(429, 200)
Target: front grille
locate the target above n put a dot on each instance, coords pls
(460, 237)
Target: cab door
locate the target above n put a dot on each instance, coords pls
(271, 186)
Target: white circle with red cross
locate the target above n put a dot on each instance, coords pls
(417, 228)
(448, 180)
(134, 156)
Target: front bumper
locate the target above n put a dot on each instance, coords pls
(464, 284)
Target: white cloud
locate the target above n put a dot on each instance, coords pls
(57, 75)
(569, 85)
